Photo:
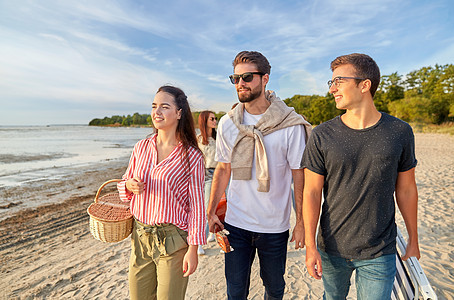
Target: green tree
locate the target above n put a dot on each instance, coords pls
(127, 121)
(116, 119)
(322, 109)
(442, 106)
(380, 101)
(393, 87)
(435, 84)
(316, 109)
(95, 122)
(390, 89)
(299, 102)
(411, 109)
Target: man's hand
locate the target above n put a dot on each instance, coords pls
(298, 236)
(313, 262)
(412, 250)
(214, 224)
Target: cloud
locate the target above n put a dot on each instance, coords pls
(53, 37)
(123, 49)
(49, 66)
(111, 56)
(301, 82)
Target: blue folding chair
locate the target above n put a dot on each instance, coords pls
(410, 282)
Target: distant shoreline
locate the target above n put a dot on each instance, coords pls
(119, 125)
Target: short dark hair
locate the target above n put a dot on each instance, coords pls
(364, 65)
(253, 57)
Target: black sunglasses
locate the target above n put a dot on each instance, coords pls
(213, 118)
(247, 77)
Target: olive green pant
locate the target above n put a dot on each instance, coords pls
(156, 263)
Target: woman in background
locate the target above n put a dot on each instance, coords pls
(207, 143)
(164, 182)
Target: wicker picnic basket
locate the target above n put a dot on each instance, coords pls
(110, 218)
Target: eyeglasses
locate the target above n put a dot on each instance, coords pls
(247, 77)
(213, 119)
(336, 80)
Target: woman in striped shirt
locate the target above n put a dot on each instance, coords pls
(164, 182)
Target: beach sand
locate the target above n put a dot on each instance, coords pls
(48, 252)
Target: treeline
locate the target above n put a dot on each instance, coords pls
(316, 109)
(135, 119)
(424, 96)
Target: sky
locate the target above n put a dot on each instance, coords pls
(68, 62)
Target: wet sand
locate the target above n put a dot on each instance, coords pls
(48, 252)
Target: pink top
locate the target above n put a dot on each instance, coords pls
(173, 194)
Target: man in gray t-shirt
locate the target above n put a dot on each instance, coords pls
(359, 160)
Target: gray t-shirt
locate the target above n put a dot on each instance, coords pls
(360, 169)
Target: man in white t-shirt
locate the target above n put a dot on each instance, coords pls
(259, 146)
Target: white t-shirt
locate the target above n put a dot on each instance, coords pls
(246, 207)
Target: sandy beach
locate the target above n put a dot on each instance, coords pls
(49, 253)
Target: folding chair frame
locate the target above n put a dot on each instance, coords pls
(410, 277)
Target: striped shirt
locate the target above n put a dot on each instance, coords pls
(172, 194)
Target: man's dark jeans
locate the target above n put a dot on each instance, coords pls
(272, 252)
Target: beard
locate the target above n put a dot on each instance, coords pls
(251, 95)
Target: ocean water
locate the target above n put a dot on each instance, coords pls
(32, 153)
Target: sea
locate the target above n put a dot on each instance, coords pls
(31, 153)
(42, 165)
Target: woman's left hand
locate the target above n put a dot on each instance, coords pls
(190, 261)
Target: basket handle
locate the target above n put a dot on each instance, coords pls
(103, 185)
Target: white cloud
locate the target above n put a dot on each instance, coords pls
(71, 71)
(95, 54)
(53, 37)
(99, 41)
(301, 82)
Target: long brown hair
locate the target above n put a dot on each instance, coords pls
(203, 119)
(185, 131)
